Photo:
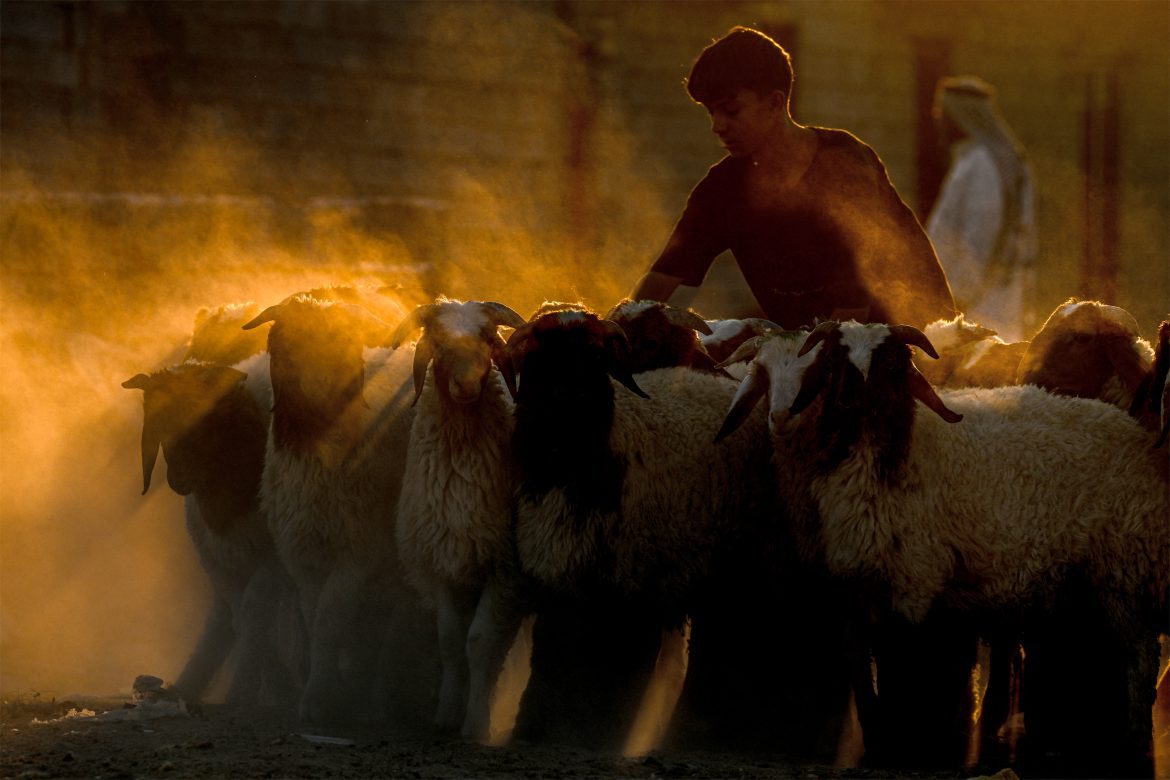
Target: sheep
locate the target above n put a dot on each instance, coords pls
(626, 498)
(726, 336)
(454, 530)
(334, 461)
(994, 514)
(970, 355)
(211, 428)
(1088, 349)
(661, 335)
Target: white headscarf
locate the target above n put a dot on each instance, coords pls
(970, 102)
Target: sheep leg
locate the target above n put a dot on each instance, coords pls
(334, 623)
(455, 613)
(497, 619)
(215, 643)
(259, 658)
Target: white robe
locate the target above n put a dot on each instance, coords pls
(963, 226)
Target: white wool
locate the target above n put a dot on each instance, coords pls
(861, 340)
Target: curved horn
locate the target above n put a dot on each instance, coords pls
(419, 318)
(921, 389)
(912, 336)
(687, 319)
(268, 315)
(502, 315)
(503, 362)
(745, 351)
(424, 351)
(519, 344)
(819, 334)
(750, 391)
(618, 347)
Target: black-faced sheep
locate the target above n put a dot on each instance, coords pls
(626, 498)
(1031, 492)
(332, 477)
(454, 525)
(211, 430)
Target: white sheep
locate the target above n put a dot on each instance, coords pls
(970, 355)
(211, 427)
(454, 525)
(332, 477)
(994, 513)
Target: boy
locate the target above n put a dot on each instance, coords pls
(810, 214)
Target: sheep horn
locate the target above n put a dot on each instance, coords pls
(419, 318)
(912, 336)
(503, 316)
(424, 351)
(750, 391)
(519, 343)
(618, 347)
(745, 351)
(921, 389)
(687, 319)
(819, 334)
(503, 362)
(268, 315)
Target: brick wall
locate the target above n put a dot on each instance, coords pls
(496, 138)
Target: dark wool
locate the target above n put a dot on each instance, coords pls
(564, 413)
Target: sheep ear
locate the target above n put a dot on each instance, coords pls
(424, 351)
(819, 334)
(1129, 365)
(687, 319)
(921, 389)
(744, 352)
(503, 316)
(419, 318)
(911, 336)
(618, 348)
(503, 362)
(750, 391)
(268, 315)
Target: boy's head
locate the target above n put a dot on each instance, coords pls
(742, 59)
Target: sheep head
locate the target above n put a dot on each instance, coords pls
(775, 371)
(1087, 349)
(727, 336)
(175, 402)
(317, 365)
(661, 335)
(593, 344)
(462, 340)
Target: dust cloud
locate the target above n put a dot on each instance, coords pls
(102, 274)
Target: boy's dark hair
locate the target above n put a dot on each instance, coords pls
(742, 59)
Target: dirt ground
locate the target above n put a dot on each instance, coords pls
(217, 742)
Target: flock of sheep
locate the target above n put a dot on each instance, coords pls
(381, 494)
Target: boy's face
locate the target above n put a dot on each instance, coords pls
(745, 121)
